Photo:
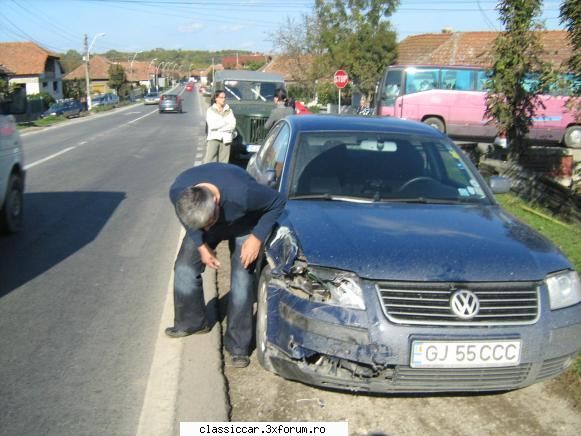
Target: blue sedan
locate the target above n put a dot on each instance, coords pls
(393, 268)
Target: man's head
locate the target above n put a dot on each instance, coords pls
(197, 208)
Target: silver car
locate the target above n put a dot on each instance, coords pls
(170, 103)
(151, 98)
(12, 176)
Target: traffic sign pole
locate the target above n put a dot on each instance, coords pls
(341, 79)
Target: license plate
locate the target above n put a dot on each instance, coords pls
(465, 354)
(252, 148)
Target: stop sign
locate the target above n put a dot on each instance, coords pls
(341, 79)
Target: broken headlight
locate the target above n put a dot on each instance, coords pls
(339, 288)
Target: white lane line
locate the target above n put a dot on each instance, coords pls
(38, 162)
(146, 115)
(83, 142)
(159, 403)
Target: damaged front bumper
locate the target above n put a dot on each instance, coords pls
(362, 351)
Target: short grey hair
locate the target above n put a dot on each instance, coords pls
(195, 207)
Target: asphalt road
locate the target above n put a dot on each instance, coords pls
(82, 288)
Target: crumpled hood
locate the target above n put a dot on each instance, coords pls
(421, 242)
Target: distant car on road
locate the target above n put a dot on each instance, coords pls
(189, 87)
(151, 98)
(68, 108)
(170, 103)
(394, 269)
(12, 175)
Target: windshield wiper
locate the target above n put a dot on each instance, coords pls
(330, 197)
(429, 200)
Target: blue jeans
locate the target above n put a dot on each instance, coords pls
(189, 305)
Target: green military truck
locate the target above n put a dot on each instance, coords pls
(250, 95)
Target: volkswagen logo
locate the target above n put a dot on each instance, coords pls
(464, 304)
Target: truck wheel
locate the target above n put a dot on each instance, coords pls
(572, 138)
(436, 123)
(11, 213)
(262, 320)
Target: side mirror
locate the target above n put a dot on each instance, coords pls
(499, 184)
(271, 178)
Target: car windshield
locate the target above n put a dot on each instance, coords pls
(381, 167)
(251, 90)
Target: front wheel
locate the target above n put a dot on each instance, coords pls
(262, 320)
(436, 123)
(11, 214)
(572, 138)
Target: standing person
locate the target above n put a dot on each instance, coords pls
(217, 202)
(283, 108)
(221, 124)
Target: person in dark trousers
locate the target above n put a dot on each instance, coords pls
(217, 202)
(284, 107)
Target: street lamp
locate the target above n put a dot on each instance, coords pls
(132, 60)
(87, 57)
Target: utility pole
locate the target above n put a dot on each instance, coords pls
(87, 84)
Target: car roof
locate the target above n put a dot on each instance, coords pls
(247, 75)
(350, 123)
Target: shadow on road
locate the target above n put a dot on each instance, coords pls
(56, 225)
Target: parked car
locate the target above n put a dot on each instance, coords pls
(68, 108)
(104, 100)
(394, 269)
(170, 103)
(151, 97)
(12, 176)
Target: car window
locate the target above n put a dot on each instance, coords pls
(382, 166)
(274, 154)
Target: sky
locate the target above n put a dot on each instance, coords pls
(138, 25)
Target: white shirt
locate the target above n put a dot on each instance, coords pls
(221, 125)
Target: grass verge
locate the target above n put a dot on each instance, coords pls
(568, 238)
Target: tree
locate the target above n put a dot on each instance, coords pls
(71, 60)
(571, 18)
(116, 77)
(356, 36)
(75, 88)
(516, 53)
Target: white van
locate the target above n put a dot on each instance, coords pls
(12, 176)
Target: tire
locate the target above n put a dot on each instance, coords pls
(262, 320)
(436, 123)
(11, 214)
(572, 138)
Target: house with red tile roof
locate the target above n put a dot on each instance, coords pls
(473, 48)
(136, 72)
(293, 69)
(32, 68)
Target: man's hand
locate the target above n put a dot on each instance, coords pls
(208, 256)
(249, 251)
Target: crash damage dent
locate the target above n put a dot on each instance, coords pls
(318, 328)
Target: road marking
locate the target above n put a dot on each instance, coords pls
(137, 119)
(83, 142)
(38, 162)
(159, 403)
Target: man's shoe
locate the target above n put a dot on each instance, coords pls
(240, 361)
(172, 332)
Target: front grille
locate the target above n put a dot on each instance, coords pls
(257, 131)
(407, 378)
(429, 303)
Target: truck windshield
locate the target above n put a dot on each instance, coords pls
(251, 90)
